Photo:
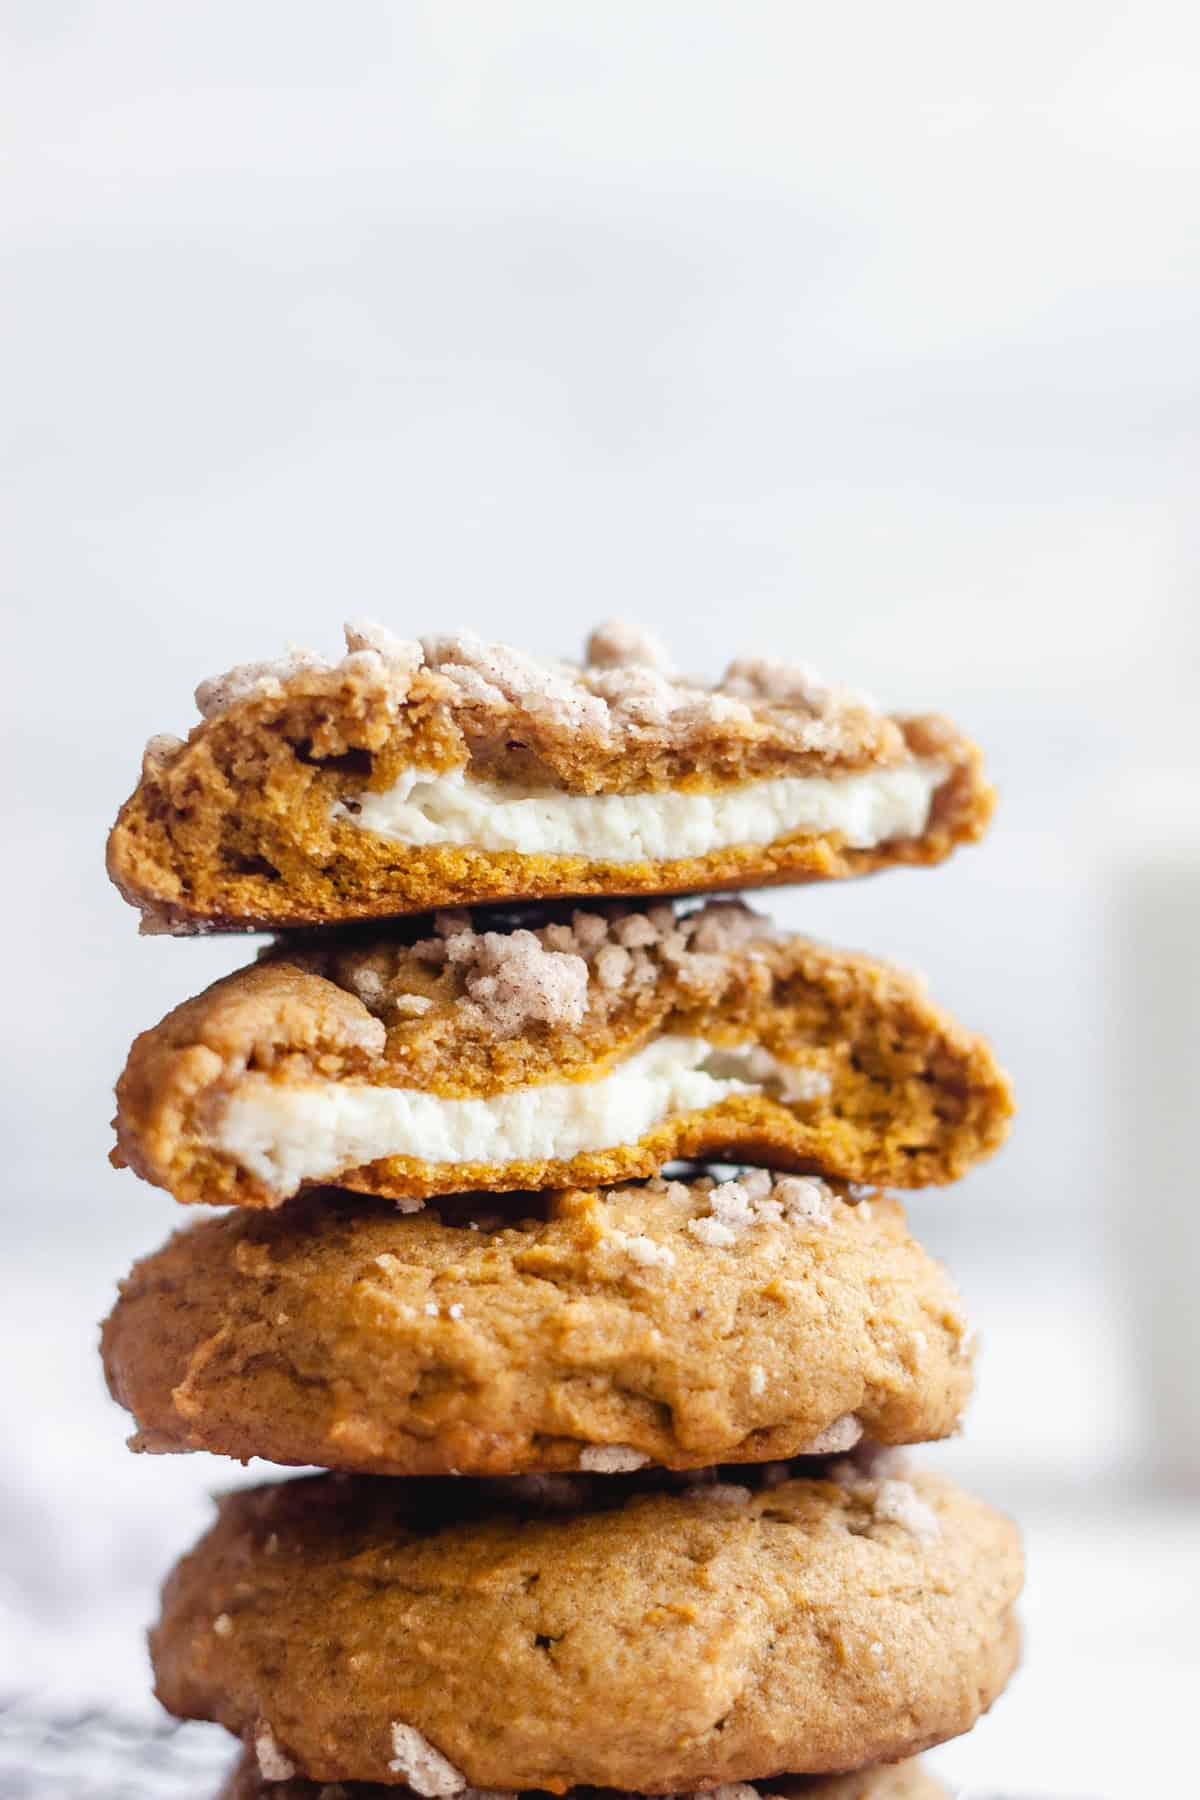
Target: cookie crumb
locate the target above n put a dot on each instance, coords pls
(644, 1250)
(513, 981)
(611, 1459)
(273, 1765)
(838, 1437)
(899, 1503)
(618, 644)
(725, 1493)
(425, 1769)
(222, 1625)
(758, 1198)
(410, 1006)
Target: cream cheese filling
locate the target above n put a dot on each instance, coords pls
(288, 1133)
(868, 807)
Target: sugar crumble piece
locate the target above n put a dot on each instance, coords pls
(222, 1625)
(456, 1310)
(425, 1769)
(499, 679)
(725, 1493)
(899, 1503)
(158, 752)
(757, 1198)
(758, 1380)
(620, 644)
(805, 1199)
(838, 1437)
(366, 637)
(643, 1250)
(432, 1309)
(514, 981)
(881, 1461)
(712, 1233)
(411, 1006)
(273, 1765)
(611, 1459)
(612, 965)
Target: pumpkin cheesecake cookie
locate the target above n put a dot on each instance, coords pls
(612, 1631)
(886, 1781)
(593, 1048)
(677, 1323)
(453, 771)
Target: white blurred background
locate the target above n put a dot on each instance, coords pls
(866, 335)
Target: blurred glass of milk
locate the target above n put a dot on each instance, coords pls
(1153, 1126)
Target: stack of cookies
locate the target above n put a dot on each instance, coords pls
(552, 1228)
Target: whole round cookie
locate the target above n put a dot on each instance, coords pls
(452, 771)
(535, 1051)
(886, 1781)
(676, 1322)
(564, 1631)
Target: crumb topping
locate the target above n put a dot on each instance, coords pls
(841, 1435)
(723, 1493)
(618, 644)
(223, 691)
(611, 1459)
(627, 685)
(504, 982)
(425, 1769)
(272, 1763)
(512, 979)
(643, 1250)
(875, 1477)
(756, 1198)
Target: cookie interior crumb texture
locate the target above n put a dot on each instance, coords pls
(630, 1631)
(414, 775)
(679, 1323)
(594, 1046)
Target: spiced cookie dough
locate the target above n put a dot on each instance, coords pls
(595, 1048)
(453, 771)
(887, 1781)
(615, 1631)
(678, 1323)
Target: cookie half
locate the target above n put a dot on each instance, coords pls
(562, 1632)
(453, 771)
(679, 1323)
(594, 1048)
(887, 1781)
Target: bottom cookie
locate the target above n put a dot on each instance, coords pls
(648, 1633)
(887, 1781)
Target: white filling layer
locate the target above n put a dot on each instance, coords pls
(289, 1133)
(871, 807)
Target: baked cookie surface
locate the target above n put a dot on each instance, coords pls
(452, 771)
(887, 1781)
(597, 1047)
(562, 1631)
(679, 1323)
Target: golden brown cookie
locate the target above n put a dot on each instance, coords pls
(597, 1047)
(886, 1781)
(563, 1631)
(676, 1323)
(452, 771)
